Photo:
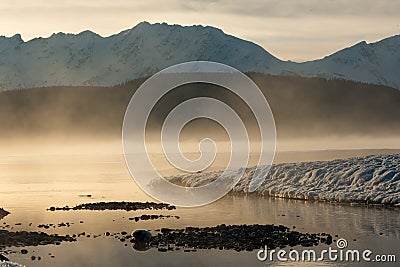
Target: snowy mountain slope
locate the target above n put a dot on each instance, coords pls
(89, 59)
(376, 63)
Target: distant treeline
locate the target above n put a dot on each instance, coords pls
(301, 106)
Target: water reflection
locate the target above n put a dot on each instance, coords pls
(28, 186)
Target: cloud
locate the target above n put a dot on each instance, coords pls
(295, 8)
(266, 8)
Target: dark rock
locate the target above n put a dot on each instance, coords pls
(3, 213)
(3, 258)
(25, 239)
(328, 240)
(141, 240)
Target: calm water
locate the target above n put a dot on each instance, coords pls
(30, 184)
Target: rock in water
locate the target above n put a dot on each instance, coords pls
(3, 213)
(3, 258)
(141, 240)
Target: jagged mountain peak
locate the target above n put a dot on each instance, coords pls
(89, 59)
(15, 38)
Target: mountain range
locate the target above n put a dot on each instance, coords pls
(90, 59)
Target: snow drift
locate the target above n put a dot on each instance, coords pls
(370, 179)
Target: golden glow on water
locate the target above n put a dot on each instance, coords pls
(42, 174)
(32, 180)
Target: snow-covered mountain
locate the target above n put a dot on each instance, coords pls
(89, 59)
(376, 63)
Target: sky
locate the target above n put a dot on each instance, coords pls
(288, 29)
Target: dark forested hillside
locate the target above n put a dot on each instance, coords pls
(301, 106)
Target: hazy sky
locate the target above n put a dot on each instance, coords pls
(289, 29)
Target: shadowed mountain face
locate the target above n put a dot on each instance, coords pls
(303, 107)
(89, 59)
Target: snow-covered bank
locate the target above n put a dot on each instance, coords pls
(370, 179)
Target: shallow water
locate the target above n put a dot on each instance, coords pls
(30, 184)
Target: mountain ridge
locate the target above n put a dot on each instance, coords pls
(89, 59)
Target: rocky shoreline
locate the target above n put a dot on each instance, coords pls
(222, 237)
(146, 217)
(127, 206)
(24, 239)
(190, 239)
(235, 237)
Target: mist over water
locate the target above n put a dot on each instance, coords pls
(328, 119)
(61, 147)
(302, 107)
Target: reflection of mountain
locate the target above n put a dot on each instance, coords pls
(89, 59)
(301, 106)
